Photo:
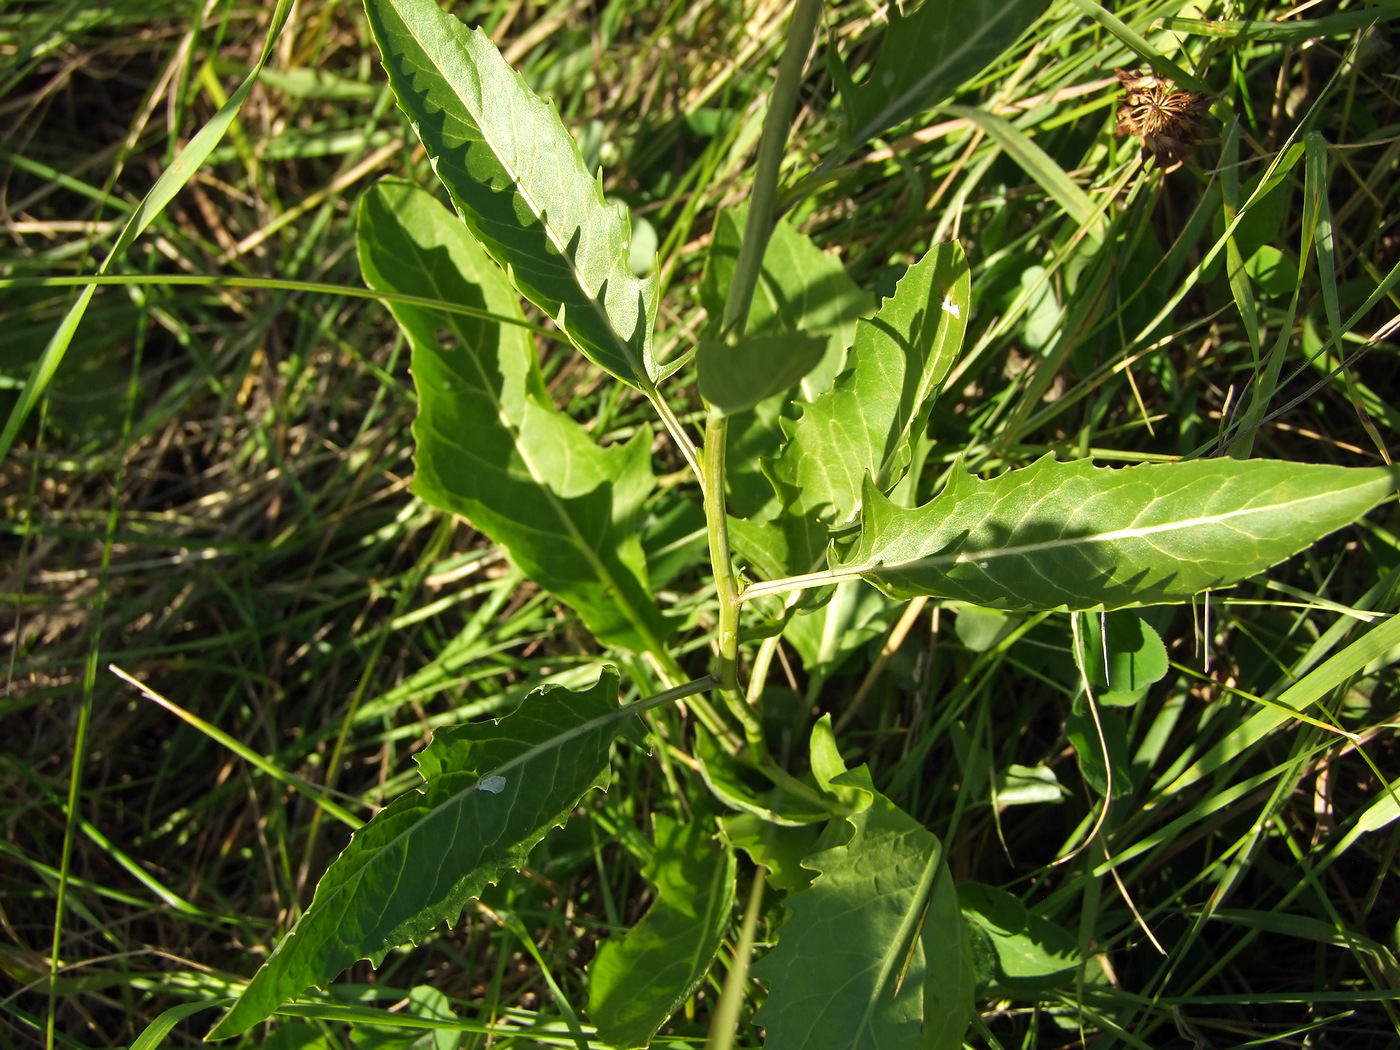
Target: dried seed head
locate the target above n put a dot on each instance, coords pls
(1169, 121)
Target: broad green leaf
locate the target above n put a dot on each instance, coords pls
(800, 289)
(638, 981)
(490, 792)
(490, 446)
(929, 51)
(733, 378)
(1030, 951)
(865, 422)
(1122, 656)
(850, 966)
(1078, 536)
(518, 180)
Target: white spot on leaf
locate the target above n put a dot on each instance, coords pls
(950, 307)
(493, 784)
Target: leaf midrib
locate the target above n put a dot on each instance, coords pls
(537, 474)
(561, 246)
(1020, 550)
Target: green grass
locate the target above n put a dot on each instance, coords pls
(214, 498)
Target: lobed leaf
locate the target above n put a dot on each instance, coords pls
(490, 445)
(638, 981)
(865, 423)
(519, 182)
(928, 52)
(1078, 536)
(490, 792)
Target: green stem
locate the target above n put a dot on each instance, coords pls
(726, 672)
(724, 1026)
(772, 143)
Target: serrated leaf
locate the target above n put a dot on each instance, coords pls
(490, 446)
(518, 180)
(1077, 536)
(779, 849)
(733, 378)
(849, 968)
(490, 792)
(866, 421)
(927, 52)
(638, 981)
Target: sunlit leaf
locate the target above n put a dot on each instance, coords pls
(490, 445)
(490, 792)
(865, 423)
(1030, 952)
(850, 965)
(1078, 536)
(518, 180)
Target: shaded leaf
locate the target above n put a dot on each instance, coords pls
(490, 446)
(490, 792)
(800, 289)
(638, 981)
(1080, 536)
(733, 378)
(850, 965)
(981, 629)
(929, 51)
(950, 973)
(1082, 732)
(741, 787)
(1030, 952)
(779, 849)
(827, 636)
(518, 180)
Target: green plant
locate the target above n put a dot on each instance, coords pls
(832, 502)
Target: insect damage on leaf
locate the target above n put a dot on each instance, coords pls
(1168, 120)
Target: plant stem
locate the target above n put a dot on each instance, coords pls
(726, 672)
(725, 1023)
(772, 143)
(678, 434)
